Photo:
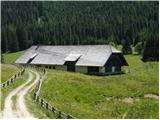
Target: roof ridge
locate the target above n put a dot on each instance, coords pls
(72, 45)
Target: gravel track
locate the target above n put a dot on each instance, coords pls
(20, 110)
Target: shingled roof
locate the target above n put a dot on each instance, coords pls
(86, 55)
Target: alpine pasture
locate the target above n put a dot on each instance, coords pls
(8, 71)
(118, 96)
(131, 27)
(89, 96)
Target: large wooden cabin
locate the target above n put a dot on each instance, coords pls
(89, 59)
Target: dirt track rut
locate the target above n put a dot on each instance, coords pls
(20, 110)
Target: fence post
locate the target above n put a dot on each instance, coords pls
(68, 117)
(7, 82)
(46, 105)
(53, 109)
(41, 102)
(11, 80)
(37, 99)
(35, 96)
(22, 72)
(59, 114)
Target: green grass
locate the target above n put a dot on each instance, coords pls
(11, 57)
(38, 111)
(6, 91)
(83, 96)
(7, 71)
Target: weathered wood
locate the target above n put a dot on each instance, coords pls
(69, 117)
(8, 82)
(34, 96)
(53, 109)
(37, 98)
(41, 102)
(59, 114)
(11, 80)
(46, 105)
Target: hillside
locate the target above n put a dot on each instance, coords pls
(10, 96)
(5, 92)
(7, 71)
(131, 27)
(85, 96)
(10, 58)
(69, 23)
(119, 96)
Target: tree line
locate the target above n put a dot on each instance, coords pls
(78, 23)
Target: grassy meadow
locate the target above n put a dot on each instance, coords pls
(11, 57)
(6, 91)
(7, 71)
(38, 111)
(85, 96)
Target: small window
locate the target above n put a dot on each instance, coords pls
(93, 69)
(108, 69)
(113, 68)
(50, 67)
(53, 67)
(118, 68)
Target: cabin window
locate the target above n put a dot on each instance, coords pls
(50, 67)
(118, 68)
(93, 69)
(113, 68)
(108, 69)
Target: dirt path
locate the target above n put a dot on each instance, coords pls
(20, 105)
(21, 110)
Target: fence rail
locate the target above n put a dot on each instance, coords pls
(43, 102)
(13, 78)
(49, 107)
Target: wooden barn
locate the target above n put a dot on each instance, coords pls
(89, 59)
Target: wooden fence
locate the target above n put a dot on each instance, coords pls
(43, 102)
(40, 69)
(13, 78)
(49, 107)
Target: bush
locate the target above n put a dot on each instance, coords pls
(139, 48)
(126, 50)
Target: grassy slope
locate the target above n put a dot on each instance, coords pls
(38, 111)
(7, 71)
(83, 96)
(6, 91)
(11, 57)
